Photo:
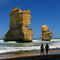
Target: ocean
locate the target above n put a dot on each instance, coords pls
(8, 47)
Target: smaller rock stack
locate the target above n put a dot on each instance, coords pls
(46, 34)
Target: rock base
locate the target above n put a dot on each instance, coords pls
(19, 35)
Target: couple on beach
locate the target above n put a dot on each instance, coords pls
(46, 48)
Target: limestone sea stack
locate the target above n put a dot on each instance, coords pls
(46, 34)
(19, 23)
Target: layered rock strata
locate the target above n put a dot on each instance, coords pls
(19, 23)
(46, 34)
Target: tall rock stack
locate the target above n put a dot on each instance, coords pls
(19, 23)
(46, 34)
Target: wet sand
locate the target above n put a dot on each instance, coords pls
(39, 57)
(26, 54)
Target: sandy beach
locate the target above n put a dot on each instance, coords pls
(27, 54)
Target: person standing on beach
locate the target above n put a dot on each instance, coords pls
(42, 49)
(47, 48)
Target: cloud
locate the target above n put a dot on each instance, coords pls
(4, 1)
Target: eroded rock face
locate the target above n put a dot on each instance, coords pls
(46, 34)
(19, 23)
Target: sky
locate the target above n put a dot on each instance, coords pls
(42, 12)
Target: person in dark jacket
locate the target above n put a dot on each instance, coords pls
(42, 49)
(47, 48)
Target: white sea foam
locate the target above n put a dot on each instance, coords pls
(14, 49)
(55, 39)
(11, 47)
(1, 41)
(11, 42)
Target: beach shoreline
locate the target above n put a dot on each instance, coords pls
(27, 54)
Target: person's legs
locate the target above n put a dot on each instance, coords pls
(40, 52)
(43, 52)
(46, 52)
